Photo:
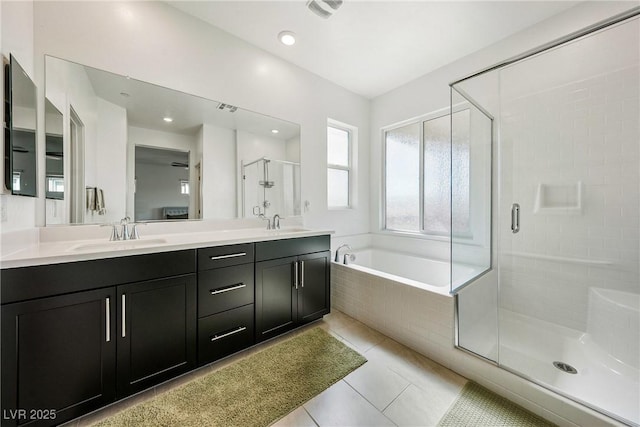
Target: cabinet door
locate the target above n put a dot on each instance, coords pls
(276, 297)
(58, 357)
(156, 331)
(313, 294)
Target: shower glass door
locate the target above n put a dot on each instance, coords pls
(560, 303)
(569, 221)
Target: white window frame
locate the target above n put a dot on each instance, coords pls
(352, 131)
(383, 205)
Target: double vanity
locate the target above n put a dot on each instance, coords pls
(85, 323)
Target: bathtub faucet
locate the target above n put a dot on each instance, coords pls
(337, 259)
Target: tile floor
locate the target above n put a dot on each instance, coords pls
(396, 387)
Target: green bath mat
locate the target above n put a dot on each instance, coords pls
(255, 391)
(477, 406)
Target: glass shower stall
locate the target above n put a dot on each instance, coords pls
(270, 187)
(550, 163)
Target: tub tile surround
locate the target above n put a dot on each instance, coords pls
(424, 322)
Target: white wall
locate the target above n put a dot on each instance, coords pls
(111, 171)
(151, 41)
(220, 169)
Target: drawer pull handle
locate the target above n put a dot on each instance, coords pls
(213, 258)
(230, 288)
(226, 334)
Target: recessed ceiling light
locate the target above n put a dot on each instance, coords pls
(275, 131)
(168, 119)
(287, 38)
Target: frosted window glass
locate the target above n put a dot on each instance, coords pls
(337, 188)
(437, 162)
(402, 178)
(337, 147)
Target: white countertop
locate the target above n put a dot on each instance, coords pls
(54, 252)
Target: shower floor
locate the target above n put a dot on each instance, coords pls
(530, 346)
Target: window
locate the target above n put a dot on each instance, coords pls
(16, 181)
(184, 186)
(417, 174)
(55, 184)
(339, 166)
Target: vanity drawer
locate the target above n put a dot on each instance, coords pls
(225, 256)
(222, 289)
(225, 333)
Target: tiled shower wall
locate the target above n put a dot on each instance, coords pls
(583, 132)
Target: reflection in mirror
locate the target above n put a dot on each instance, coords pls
(20, 147)
(162, 184)
(126, 123)
(54, 185)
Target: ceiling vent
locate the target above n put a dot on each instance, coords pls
(230, 108)
(324, 8)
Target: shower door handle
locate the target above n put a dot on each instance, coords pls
(515, 218)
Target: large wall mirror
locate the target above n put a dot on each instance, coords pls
(125, 147)
(20, 131)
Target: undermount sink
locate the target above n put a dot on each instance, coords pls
(118, 245)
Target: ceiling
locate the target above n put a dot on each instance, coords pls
(371, 47)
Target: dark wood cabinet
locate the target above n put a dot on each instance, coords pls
(276, 297)
(225, 301)
(292, 290)
(156, 331)
(58, 357)
(77, 336)
(313, 294)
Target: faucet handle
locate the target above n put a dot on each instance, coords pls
(134, 230)
(114, 231)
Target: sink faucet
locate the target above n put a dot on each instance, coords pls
(261, 216)
(125, 235)
(337, 259)
(276, 222)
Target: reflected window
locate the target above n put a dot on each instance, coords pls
(339, 166)
(55, 184)
(184, 187)
(16, 180)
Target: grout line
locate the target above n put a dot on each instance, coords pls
(399, 394)
(310, 416)
(367, 400)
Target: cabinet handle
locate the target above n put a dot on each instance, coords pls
(108, 318)
(124, 315)
(230, 288)
(301, 274)
(226, 334)
(213, 258)
(295, 274)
